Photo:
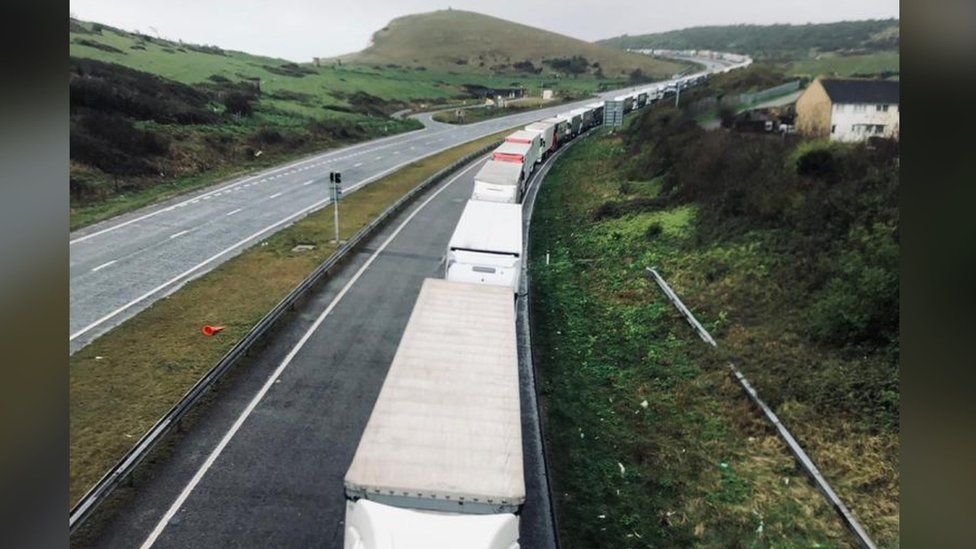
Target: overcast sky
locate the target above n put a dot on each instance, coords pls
(301, 29)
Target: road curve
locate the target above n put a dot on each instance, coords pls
(121, 266)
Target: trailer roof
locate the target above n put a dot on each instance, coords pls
(540, 126)
(447, 422)
(509, 147)
(495, 226)
(499, 173)
(523, 134)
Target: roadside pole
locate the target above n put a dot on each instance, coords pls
(335, 184)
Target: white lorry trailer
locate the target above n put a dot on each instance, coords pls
(439, 465)
(519, 153)
(529, 138)
(546, 131)
(499, 182)
(486, 247)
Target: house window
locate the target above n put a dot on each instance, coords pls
(882, 108)
(860, 108)
(879, 128)
(833, 128)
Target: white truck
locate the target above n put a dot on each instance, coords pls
(562, 129)
(575, 120)
(546, 131)
(529, 138)
(519, 153)
(486, 247)
(499, 182)
(439, 465)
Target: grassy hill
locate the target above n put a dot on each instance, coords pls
(776, 42)
(461, 41)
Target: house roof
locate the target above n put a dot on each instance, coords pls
(861, 91)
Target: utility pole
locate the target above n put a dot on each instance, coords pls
(335, 183)
(677, 94)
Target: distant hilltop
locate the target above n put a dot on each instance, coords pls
(774, 41)
(468, 42)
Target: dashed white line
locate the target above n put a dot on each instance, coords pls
(103, 265)
(357, 165)
(228, 214)
(276, 195)
(181, 233)
(378, 158)
(309, 182)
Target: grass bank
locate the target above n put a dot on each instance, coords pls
(127, 379)
(652, 444)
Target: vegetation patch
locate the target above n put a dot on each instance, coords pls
(788, 255)
(125, 380)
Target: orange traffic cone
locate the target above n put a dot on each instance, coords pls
(211, 331)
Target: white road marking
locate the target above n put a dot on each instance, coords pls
(276, 195)
(194, 201)
(309, 182)
(208, 463)
(103, 265)
(181, 233)
(228, 214)
(196, 267)
(358, 165)
(377, 158)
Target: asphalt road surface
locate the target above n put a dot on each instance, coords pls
(121, 266)
(263, 463)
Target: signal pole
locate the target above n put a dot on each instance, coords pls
(335, 184)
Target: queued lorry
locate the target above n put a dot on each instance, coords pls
(561, 131)
(529, 138)
(486, 247)
(575, 119)
(516, 153)
(547, 137)
(498, 181)
(439, 465)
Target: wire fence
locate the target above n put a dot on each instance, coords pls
(798, 452)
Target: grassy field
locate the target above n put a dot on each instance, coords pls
(848, 65)
(127, 379)
(652, 444)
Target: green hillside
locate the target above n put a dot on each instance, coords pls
(466, 42)
(151, 118)
(777, 42)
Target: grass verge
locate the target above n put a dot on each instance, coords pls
(652, 444)
(124, 381)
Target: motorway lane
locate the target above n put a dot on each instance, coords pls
(278, 481)
(121, 266)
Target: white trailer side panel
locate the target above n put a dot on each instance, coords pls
(447, 424)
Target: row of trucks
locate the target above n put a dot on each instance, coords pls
(439, 465)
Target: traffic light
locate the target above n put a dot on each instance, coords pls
(332, 177)
(338, 177)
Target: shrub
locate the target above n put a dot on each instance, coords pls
(239, 104)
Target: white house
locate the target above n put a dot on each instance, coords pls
(849, 109)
